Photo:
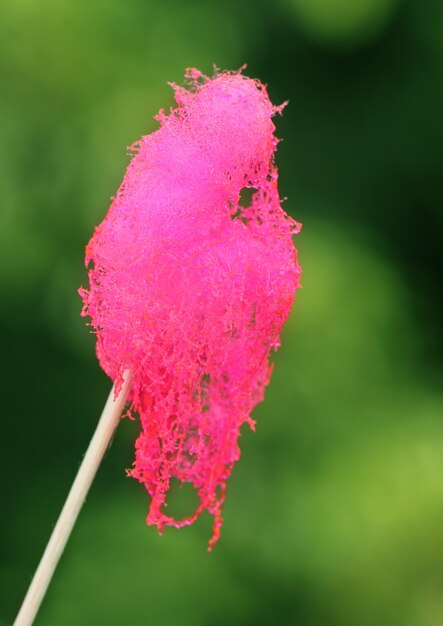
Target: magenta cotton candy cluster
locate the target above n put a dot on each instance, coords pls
(189, 288)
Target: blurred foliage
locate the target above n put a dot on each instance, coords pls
(341, 21)
(334, 514)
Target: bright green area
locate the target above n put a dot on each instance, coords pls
(334, 515)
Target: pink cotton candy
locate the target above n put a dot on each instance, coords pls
(189, 289)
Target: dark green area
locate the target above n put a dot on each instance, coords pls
(334, 515)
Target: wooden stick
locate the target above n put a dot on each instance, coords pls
(99, 443)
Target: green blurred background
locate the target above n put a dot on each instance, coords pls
(334, 515)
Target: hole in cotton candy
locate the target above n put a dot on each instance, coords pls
(246, 196)
(244, 202)
(182, 500)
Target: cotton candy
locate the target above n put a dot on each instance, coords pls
(189, 289)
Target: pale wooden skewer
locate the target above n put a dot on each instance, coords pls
(106, 426)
